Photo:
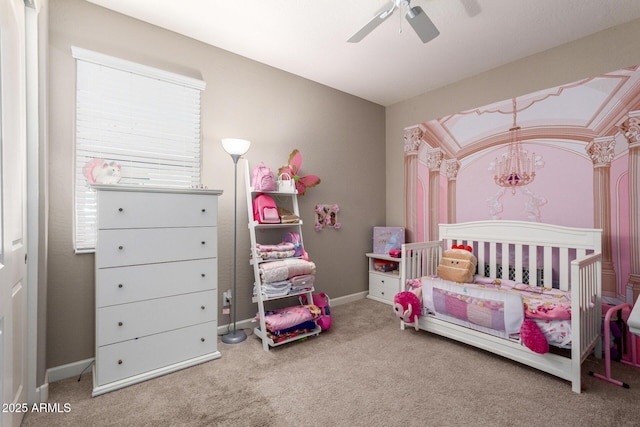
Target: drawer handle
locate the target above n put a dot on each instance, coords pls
(120, 285)
(203, 275)
(204, 210)
(120, 247)
(203, 242)
(382, 281)
(202, 339)
(119, 361)
(202, 307)
(120, 323)
(120, 210)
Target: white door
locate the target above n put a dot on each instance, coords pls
(13, 292)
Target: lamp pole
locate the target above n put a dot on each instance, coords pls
(236, 148)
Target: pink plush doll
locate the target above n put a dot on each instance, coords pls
(407, 305)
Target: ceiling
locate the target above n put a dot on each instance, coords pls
(568, 117)
(309, 37)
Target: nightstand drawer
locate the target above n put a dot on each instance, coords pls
(135, 357)
(152, 245)
(130, 209)
(128, 321)
(383, 286)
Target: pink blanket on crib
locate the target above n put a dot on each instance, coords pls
(539, 303)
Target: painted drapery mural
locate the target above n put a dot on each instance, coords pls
(586, 140)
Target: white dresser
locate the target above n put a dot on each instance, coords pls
(156, 283)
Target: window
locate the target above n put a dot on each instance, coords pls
(145, 120)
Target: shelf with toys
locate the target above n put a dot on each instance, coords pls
(280, 264)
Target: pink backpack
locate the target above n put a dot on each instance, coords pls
(265, 210)
(262, 178)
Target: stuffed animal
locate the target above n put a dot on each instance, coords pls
(458, 264)
(324, 304)
(407, 305)
(99, 171)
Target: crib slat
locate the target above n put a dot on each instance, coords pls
(563, 275)
(533, 265)
(518, 263)
(505, 260)
(548, 267)
(492, 260)
(481, 260)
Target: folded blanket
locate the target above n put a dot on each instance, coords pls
(283, 318)
(285, 269)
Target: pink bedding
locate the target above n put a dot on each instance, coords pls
(539, 303)
(496, 307)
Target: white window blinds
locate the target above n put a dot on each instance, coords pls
(145, 120)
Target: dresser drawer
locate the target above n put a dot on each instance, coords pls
(383, 286)
(121, 285)
(118, 361)
(152, 245)
(130, 209)
(138, 319)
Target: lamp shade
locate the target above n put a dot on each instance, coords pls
(235, 146)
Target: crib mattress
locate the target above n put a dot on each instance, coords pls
(499, 308)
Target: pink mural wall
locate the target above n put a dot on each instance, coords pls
(582, 134)
(562, 192)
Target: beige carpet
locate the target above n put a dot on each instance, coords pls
(365, 371)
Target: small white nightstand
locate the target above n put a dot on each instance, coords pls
(383, 285)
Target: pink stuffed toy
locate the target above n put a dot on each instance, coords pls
(407, 305)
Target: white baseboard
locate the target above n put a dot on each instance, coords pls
(43, 392)
(69, 370)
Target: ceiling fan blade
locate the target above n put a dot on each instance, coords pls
(421, 24)
(378, 19)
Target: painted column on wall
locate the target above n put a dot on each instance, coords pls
(601, 151)
(452, 166)
(434, 161)
(631, 130)
(412, 140)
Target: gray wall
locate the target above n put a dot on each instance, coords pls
(340, 136)
(606, 51)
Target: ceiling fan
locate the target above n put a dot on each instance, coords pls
(416, 17)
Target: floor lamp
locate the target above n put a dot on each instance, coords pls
(236, 148)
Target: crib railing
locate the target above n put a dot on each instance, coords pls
(586, 308)
(419, 259)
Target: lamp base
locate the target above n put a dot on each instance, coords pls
(234, 337)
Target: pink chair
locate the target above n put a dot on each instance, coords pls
(634, 328)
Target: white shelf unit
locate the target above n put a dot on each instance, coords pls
(272, 234)
(156, 264)
(383, 285)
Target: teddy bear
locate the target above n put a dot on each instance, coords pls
(99, 171)
(407, 305)
(458, 264)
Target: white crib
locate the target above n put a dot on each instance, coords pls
(551, 256)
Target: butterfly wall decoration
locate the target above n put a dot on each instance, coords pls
(293, 169)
